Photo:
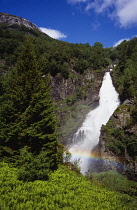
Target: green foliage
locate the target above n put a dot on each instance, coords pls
(27, 116)
(66, 156)
(114, 181)
(10, 45)
(64, 70)
(28, 123)
(132, 146)
(98, 44)
(125, 74)
(56, 56)
(99, 57)
(76, 163)
(64, 190)
(120, 139)
(34, 167)
(81, 65)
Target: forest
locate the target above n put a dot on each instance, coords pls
(33, 174)
(122, 139)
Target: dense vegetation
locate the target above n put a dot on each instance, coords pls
(120, 132)
(57, 58)
(28, 123)
(31, 174)
(55, 55)
(125, 74)
(64, 190)
(125, 78)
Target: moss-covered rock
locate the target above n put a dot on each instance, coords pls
(118, 142)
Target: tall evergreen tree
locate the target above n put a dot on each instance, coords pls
(27, 117)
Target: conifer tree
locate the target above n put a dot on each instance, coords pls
(27, 117)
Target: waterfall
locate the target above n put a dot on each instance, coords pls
(87, 136)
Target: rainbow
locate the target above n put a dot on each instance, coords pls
(85, 154)
(96, 157)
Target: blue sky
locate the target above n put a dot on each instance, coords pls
(79, 21)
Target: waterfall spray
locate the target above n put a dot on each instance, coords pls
(87, 136)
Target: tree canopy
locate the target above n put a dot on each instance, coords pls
(27, 116)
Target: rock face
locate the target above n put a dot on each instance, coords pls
(75, 97)
(116, 147)
(12, 20)
(63, 88)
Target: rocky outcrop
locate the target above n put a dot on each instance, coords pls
(11, 20)
(74, 98)
(91, 81)
(116, 148)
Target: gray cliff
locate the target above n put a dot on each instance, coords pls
(11, 20)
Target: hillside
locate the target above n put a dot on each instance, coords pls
(47, 88)
(64, 190)
(12, 20)
(118, 141)
(75, 70)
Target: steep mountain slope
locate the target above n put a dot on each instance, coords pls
(76, 72)
(75, 69)
(118, 141)
(46, 88)
(12, 20)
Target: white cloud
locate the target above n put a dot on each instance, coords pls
(127, 13)
(119, 42)
(122, 11)
(99, 6)
(53, 33)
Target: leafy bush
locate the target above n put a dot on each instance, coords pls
(64, 190)
(33, 167)
(115, 181)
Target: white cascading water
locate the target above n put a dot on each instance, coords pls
(87, 136)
